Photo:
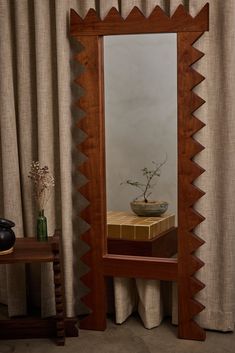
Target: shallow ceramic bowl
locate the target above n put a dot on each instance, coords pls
(149, 209)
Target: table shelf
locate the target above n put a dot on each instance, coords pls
(29, 250)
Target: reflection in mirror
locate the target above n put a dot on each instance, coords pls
(140, 80)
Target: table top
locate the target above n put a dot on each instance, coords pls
(126, 225)
(28, 250)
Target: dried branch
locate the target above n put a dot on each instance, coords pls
(149, 175)
(43, 182)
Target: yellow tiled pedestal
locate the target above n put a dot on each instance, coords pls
(129, 234)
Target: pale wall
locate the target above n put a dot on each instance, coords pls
(141, 114)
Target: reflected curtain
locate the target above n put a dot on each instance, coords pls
(36, 124)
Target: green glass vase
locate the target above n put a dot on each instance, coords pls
(42, 227)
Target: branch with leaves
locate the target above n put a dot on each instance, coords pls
(149, 174)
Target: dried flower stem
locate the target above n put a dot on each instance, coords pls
(43, 182)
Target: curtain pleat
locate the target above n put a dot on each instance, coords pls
(10, 173)
(218, 159)
(105, 6)
(26, 103)
(36, 95)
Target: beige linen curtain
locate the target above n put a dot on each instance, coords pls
(36, 123)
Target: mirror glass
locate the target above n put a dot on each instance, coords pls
(140, 82)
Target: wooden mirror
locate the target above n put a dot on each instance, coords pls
(91, 33)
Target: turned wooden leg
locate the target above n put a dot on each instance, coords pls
(59, 295)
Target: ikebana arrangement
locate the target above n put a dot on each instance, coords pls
(43, 183)
(145, 207)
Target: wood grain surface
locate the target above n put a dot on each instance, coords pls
(89, 32)
(29, 250)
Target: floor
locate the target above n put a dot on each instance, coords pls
(130, 337)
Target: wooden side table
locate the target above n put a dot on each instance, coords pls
(29, 250)
(129, 234)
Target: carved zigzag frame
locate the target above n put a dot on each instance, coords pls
(188, 193)
(89, 31)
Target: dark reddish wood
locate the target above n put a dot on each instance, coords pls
(188, 171)
(140, 267)
(94, 189)
(89, 32)
(164, 245)
(59, 290)
(29, 250)
(35, 328)
(136, 22)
